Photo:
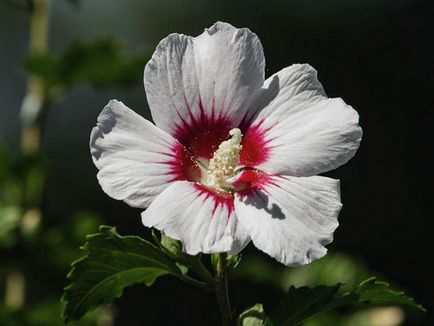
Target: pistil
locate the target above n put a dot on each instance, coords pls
(224, 161)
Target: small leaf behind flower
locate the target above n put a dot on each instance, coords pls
(299, 304)
(174, 247)
(112, 262)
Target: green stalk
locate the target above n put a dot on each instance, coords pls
(222, 291)
(192, 281)
(198, 267)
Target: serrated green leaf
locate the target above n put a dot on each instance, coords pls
(254, 316)
(112, 262)
(376, 292)
(302, 303)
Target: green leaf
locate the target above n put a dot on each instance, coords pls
(112, 262)
(253, 316)
(376, 292)
(174, 247)
(299, 304)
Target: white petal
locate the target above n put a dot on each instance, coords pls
(201, 220)
(192, 81)
(134, 157)
(290, 218)
(302, 132)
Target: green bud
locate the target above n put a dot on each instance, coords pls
(231, 261)
(173, 247)
(254, 316)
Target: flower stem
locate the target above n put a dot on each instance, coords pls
(221, 289)
(201, 270)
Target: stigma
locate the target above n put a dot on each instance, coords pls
(224, 161)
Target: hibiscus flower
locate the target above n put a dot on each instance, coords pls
(232, 157)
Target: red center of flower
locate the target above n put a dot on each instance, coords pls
(201, 134)
(249, 180)
(255, 150)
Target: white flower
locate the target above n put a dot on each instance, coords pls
(231, 157)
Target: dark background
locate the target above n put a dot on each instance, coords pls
(376, 55)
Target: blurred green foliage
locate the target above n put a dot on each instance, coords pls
(74, 2)
(44, 313)
(39, 249)
(43, 257)
(21, 187)
(10, 217)
(332, 269)
(33, 247)
(101, 63)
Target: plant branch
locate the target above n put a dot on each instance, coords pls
(222, 291)
(197, 266)
(194, 282)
